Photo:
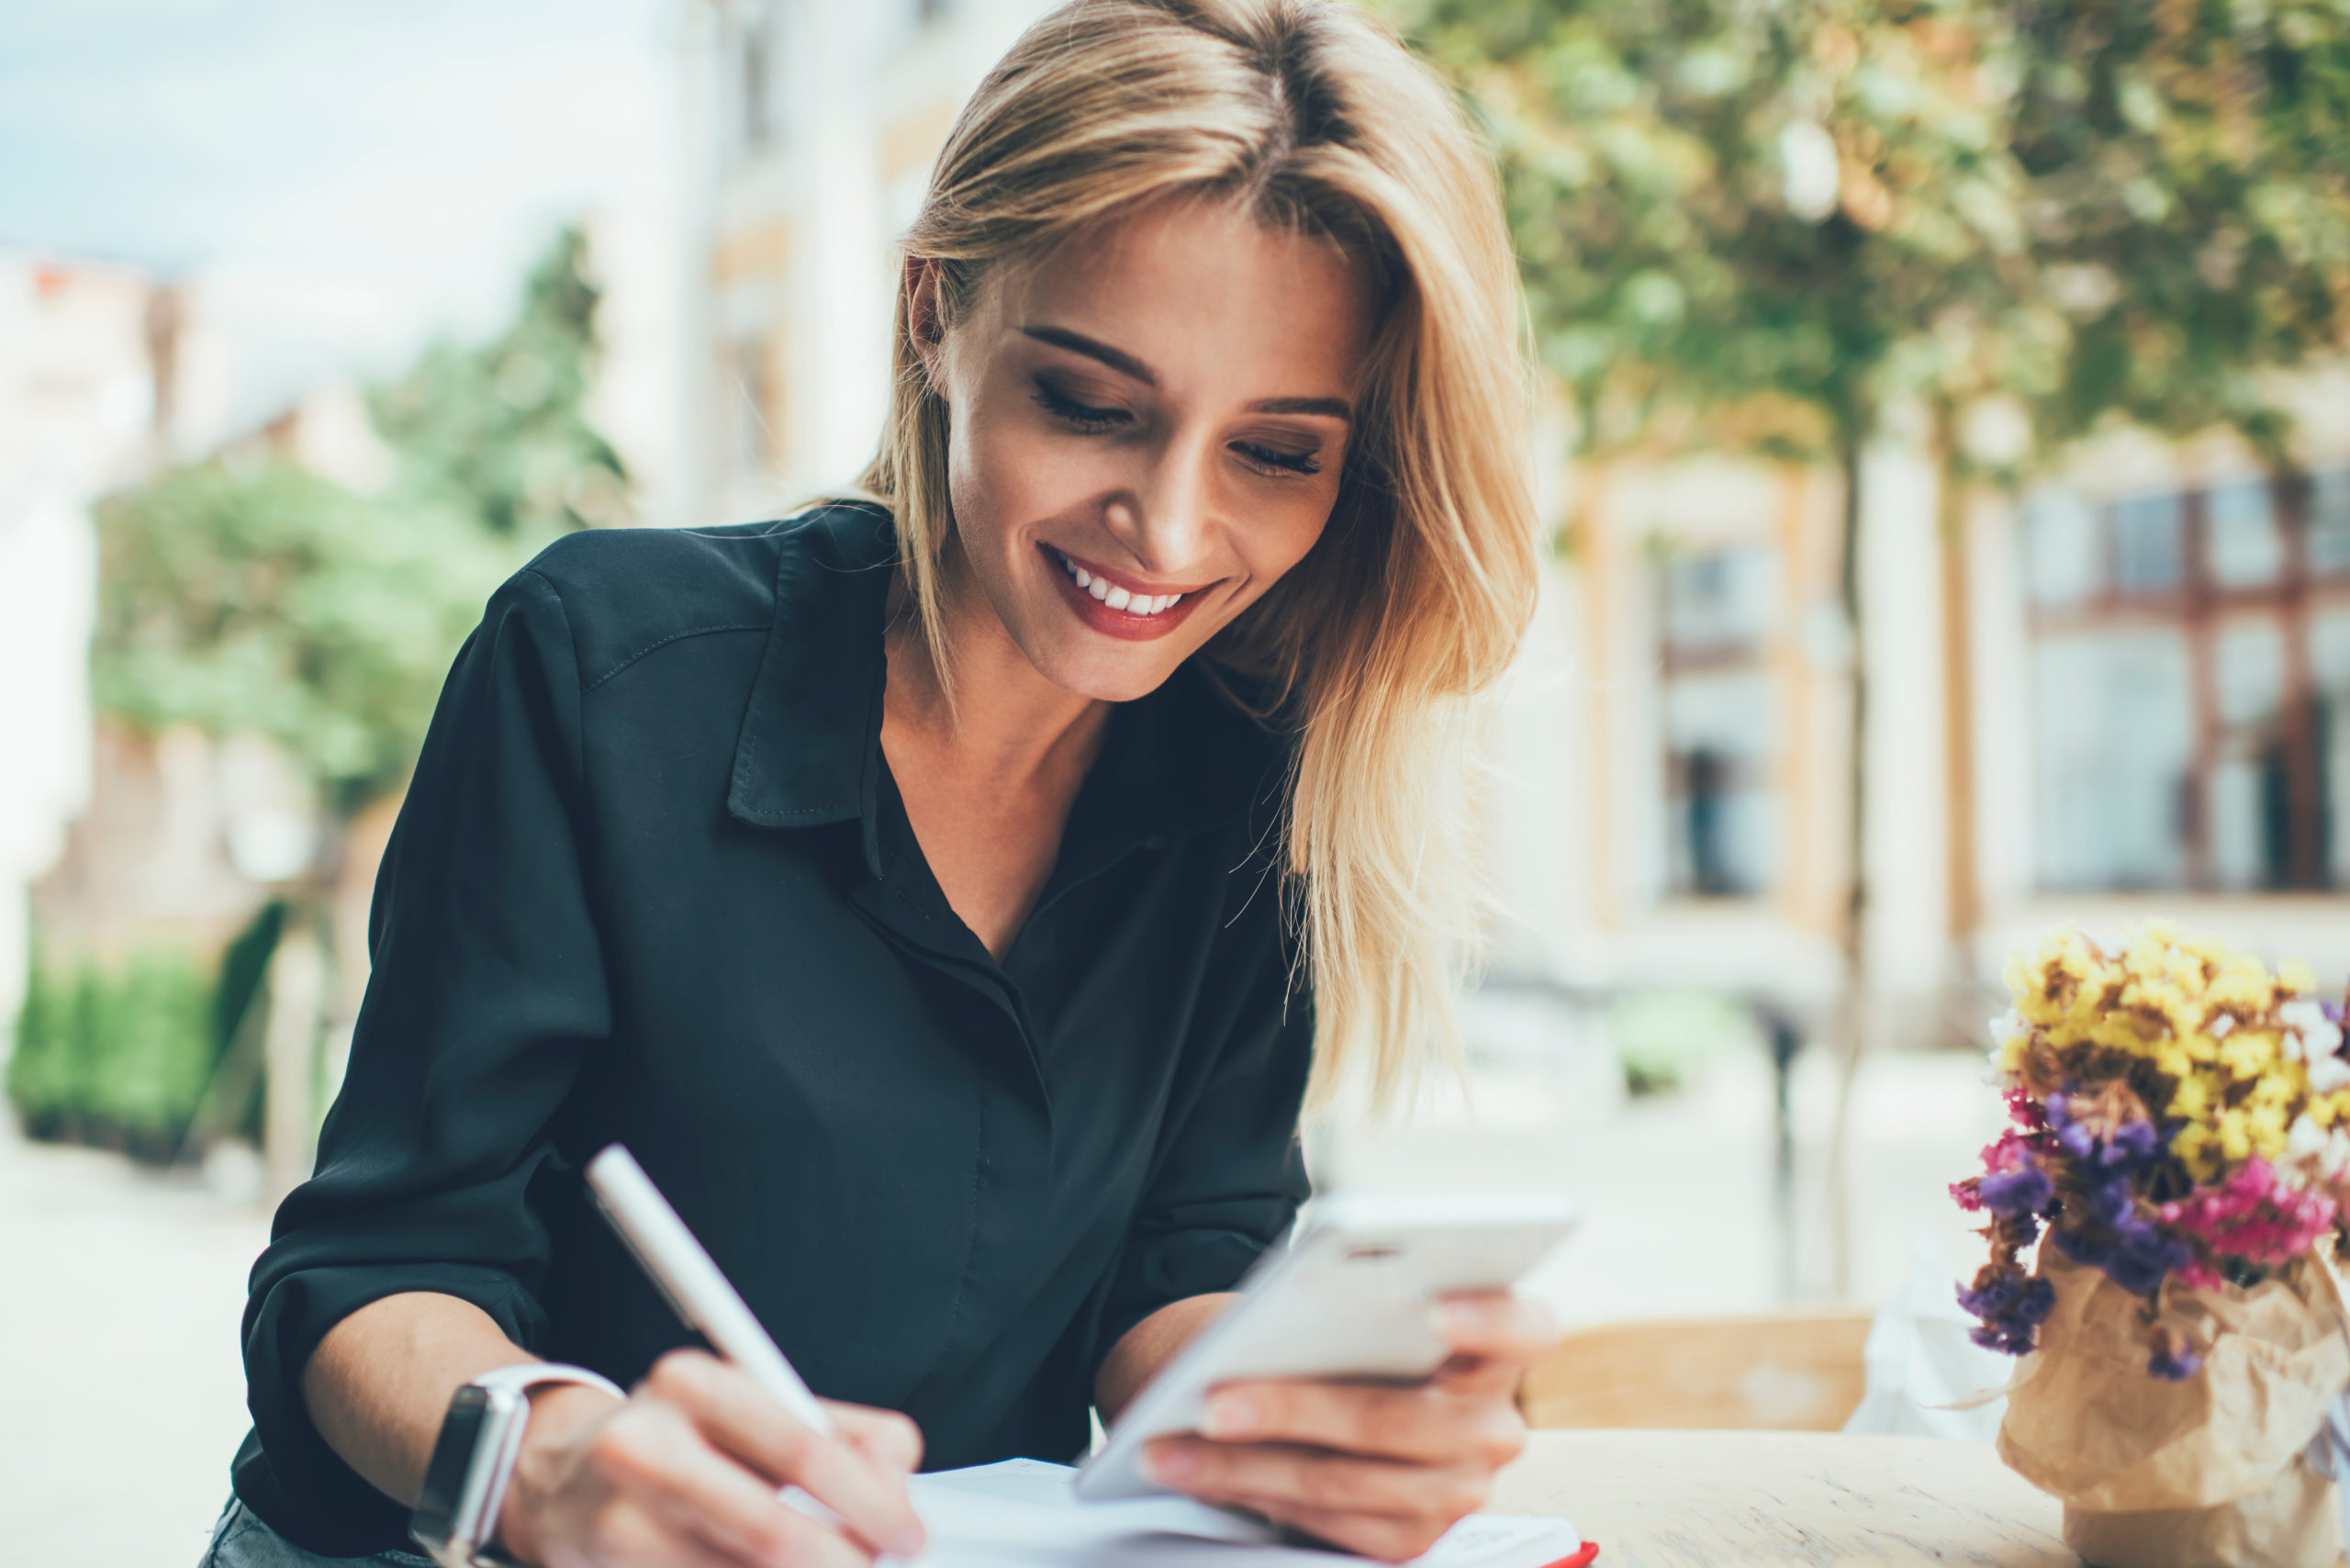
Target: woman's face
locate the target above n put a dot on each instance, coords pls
(1148, 425)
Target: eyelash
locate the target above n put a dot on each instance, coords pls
(1093, 421)
(1083, 416)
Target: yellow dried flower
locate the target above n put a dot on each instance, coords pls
(2248, 1053)
(2197, 1147)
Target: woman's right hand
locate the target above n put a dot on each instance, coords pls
(687, 1472)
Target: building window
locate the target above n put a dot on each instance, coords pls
(1718, 607)
(2190, 687)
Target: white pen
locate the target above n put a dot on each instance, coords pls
(692, 1282)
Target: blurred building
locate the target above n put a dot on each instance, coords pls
(2124, 694)
(813, 127)
(105, 373)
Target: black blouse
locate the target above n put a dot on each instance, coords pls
(653, 884)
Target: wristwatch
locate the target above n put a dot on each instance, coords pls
(465, 1482)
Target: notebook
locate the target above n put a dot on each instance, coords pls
(1022, 1513)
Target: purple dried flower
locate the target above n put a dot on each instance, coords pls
(2134, 1254)
(2012, 1307)
(2134, 1141)
(2011, 1195)
(2096, 1142)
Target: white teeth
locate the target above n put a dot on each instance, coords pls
(1118, 597)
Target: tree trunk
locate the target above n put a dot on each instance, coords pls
(1851, 1021)
(289, 1116)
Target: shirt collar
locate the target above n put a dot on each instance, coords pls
(1181, 760)
(809, 750)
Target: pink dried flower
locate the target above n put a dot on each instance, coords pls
(2252, 1217)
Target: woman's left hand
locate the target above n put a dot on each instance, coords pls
(1378, 1471)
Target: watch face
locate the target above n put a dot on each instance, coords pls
(436, 1519)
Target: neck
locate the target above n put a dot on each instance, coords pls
(1007, 725)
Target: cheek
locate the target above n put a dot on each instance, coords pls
(1000, 472)
(1284, 531)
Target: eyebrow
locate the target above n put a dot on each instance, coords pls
(1127, 364)
(1335, 408)
(1118, 360)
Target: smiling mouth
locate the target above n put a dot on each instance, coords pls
(1116, 598)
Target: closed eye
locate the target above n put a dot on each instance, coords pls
(1076, 415)
(1273, 458)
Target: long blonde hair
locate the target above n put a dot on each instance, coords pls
(1313, 116)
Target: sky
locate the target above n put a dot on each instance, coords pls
(344, 178)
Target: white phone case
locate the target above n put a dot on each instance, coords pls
(1352, 1296)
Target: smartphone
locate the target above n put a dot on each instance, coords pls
(1353, 1296)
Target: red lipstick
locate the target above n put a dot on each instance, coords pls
(1123, 624)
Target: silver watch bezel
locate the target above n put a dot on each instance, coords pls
(506, 1414)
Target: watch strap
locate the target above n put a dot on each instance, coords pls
(523, 1376)
(521, 1379)
(491, 1472)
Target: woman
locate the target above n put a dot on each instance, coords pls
(952, 896)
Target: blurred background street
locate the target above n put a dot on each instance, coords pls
(1946, 458)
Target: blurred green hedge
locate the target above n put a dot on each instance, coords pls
(123, 1056)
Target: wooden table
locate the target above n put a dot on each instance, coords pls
(1655, 1499)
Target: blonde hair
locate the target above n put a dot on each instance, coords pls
(1314, 116)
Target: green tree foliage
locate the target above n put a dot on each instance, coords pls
(258, 596)
(1790, 216)
(118, 1057)
(2188, 172)
(272, 600)
(502, 431)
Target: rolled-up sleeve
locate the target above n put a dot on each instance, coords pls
(488, 985)
(1229, 1173)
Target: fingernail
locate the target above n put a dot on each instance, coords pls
(1230, 1416)
(1172, 1464)
(909, 1542)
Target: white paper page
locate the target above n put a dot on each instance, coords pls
(1022, 1513)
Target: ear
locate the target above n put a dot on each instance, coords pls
(926, 322)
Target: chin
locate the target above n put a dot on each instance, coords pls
(1112, 672)
(1109, 680)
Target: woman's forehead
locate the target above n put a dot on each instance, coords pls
(1193, 280)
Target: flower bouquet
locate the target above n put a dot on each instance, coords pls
(2181, 1144)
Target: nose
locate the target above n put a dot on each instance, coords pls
(1164, 517)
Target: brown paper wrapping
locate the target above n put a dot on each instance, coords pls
(2206, 1472)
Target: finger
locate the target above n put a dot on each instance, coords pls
(1505, 1336)
(1259, 1474)
(742, 1420)
(887, 1438)
(657, 1459)
(627, 1535)
(1496, 1325)
(801, 1543)
(1366, 1535)
(1430, 1425)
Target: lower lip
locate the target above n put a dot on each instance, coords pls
(1117, 623)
